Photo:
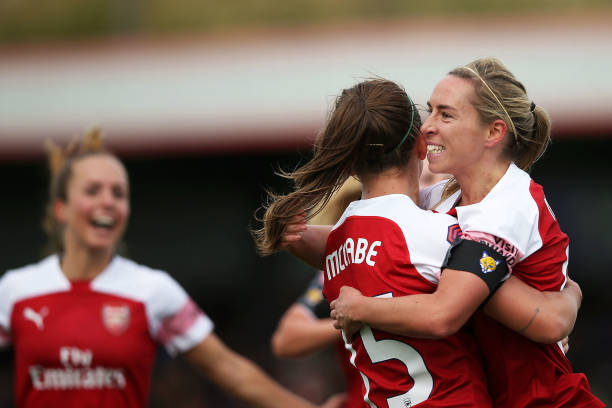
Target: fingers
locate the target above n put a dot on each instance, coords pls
(299, 219)
(288, 239)
(565, 344)
(335, 401)
(353, 329)
(293, 228)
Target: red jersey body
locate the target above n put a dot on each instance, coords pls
(387, 246)
(515, 219)
(92, 344)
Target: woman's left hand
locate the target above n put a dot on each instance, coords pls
(344, 309)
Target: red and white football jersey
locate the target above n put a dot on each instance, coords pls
(92, 343)
(387, 246)
(516, 220)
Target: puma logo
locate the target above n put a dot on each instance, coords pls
(35, 317)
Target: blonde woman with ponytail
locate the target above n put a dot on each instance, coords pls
(85, 322)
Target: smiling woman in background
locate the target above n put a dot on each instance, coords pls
(85, 322)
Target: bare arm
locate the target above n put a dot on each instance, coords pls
(300, 333)
(544, 317)
(306, 242)
(434, 315)
(241, 378)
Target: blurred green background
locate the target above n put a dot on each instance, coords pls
(31, 20)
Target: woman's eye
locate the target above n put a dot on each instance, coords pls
(119, 192)
(92, 190)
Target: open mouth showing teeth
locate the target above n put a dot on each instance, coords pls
(103, 222)
(435, 149)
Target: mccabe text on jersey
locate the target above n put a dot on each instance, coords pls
(350, 253)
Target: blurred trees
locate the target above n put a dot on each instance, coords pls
(29, 20)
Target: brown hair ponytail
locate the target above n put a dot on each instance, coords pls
(372, 127)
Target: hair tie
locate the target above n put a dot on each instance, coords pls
(410, 127)
(532, 107)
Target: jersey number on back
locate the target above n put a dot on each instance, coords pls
(387, 349)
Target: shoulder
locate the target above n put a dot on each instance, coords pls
(38, 279)
(509, 211)
(131, 270)
(423, 231)
(32, 270)
(401, 212)
(130, 279)
(411, 218)
(32, 280)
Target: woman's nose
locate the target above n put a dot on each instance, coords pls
(427, 126)
(108, 198)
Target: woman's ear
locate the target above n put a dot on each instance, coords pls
(497, 132)
(59, 211)
(421, 146)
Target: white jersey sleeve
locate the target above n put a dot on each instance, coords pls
(180, 323)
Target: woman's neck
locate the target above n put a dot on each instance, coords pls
(477, 183)
(79, 264)
(393, 181)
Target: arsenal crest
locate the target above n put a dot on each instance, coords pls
(116, 317)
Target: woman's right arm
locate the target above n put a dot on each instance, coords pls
(544, 317)
(432, 316)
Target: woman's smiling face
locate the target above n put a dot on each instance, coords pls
(97, 205)
(454, 132)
